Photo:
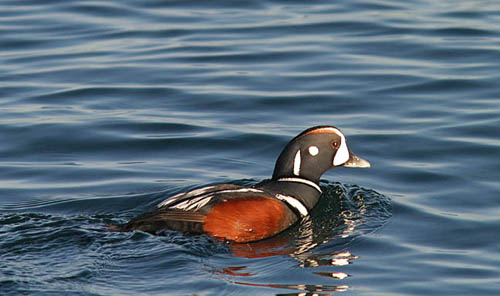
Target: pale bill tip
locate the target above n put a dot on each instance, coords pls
(357, 162)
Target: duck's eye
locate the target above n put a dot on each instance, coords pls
(335, 144)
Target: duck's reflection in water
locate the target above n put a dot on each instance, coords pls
(320, 244)
(312, 290)
(299, 244)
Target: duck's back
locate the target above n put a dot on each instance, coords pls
(226, 211)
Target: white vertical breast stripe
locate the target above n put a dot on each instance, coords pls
(293, 202)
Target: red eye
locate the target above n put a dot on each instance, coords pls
(335, 144)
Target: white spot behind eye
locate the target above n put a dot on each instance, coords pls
(313, 150)
(296, 164)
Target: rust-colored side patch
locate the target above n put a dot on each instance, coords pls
(246, 219)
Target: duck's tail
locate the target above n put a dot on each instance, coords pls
(116, 228)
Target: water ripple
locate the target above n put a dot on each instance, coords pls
(109, 107)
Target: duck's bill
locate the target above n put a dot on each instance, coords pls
(356, 162)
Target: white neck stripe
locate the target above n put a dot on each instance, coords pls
(295, 203)
(303, 181)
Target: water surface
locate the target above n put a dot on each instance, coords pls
(107, 108)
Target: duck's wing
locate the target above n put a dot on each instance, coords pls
(195, 199)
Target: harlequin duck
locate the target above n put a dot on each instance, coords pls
(245, 214)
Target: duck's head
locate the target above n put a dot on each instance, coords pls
(313, 152)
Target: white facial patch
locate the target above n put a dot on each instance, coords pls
(313, 150)
(342, 155)
(296, 164)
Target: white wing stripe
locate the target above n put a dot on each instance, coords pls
(184, 195)
(194, 203)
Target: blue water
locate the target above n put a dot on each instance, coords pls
(107, 108)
